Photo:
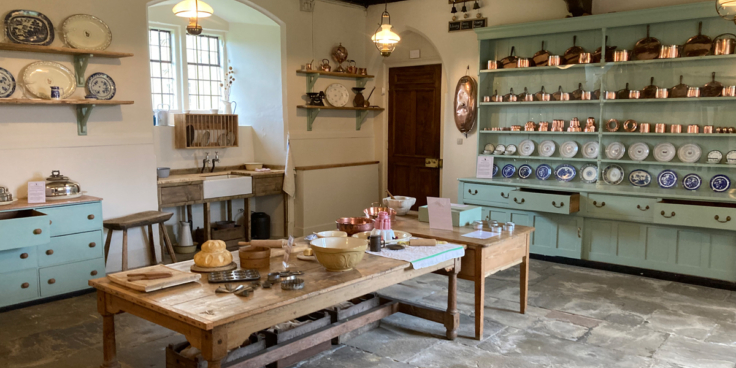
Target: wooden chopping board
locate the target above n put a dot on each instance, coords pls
(177, 278)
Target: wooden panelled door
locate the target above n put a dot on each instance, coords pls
(414, 129)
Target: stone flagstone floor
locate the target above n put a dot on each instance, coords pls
(577, 318)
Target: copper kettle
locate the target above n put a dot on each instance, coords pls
(352, 67)
(325, 65)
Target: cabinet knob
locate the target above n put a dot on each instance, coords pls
(25, 285)
(92, 244)
(49, 252)
(52, 281)
(37, 231)
(91, 217)
(93, 273)
(24, 256)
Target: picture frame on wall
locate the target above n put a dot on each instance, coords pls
(467, 24)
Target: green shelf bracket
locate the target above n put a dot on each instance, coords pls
(360, 116)
(80, 66)
(311, 79)
(311, 115)
(360, 82)
(83, 112)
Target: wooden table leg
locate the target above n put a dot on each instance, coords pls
(125, 249)
(207, 222)
(480, 291)
(109, 348)
(152, 246)
(229, 209)
(524, 279)
(169, 246)
(452, 319)
(214, 347)
(107, 244)
(246, 220)
(286, 215)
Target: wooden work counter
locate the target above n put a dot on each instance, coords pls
(22, 203)
(483, 257)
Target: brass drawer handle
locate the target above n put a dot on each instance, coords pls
(579, 235)
(49, 252)
(92, 244)
(37, 231)
(50, 222)
(505, 196)
(728, 218)
(562, 204)
(24, 256)
(603, 204)
(517, 202)
(25, 285)
(665, 216)
(644, 209)
(91, 217)
(471, 192)
(93, 273)
(52, 281)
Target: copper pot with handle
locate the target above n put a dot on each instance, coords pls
(325, 65)
(724, 45)
(352, 67)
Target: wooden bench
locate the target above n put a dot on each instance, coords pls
(140, 219)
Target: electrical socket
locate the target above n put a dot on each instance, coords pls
(459, 141)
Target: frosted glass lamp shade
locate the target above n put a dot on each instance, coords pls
(726, 9)
(193, 9)
(385, 40)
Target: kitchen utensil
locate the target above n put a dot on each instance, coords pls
(541, 58)
(565, 173)
(659, 128)
(669, 52)
(100, 85)
(296, 284)
(634, 95)
(647, 48)
(362, 71)
(352, 67)
(692, 181)
(675, 128)
(712, 88)
(644, 128)
(708, 129)
(5, 195)
(401, 204)
(163, 172)
(667, 179)
(509, 62)
(40, 75)
(615, 150)
(724, 45)
(613, 174)
(693, 129)
(523, 63)
(83, 31)
(585, 58)
(572, 55)
(692, 92)
(715, 157)
(325, 65)
(560, 95)
(543, 172)
(508, 171)
(229, 289)
(577, 94)
(630, 125)
(622, 55)
(689, 153)
(309, 65)
(661, 93)
(492, 65)
(610, 50)
(698, 45)
(554, 60)
(398, 235)
(591, 150)
(29, 27)
(547, 148)
(7, 83)
(640, 178)
(680, 90)
(526, 147)
(233, 276)
(639, 151)
(56, 92)
(664, 152)
(729, 91)
(367, 100)
(542, 95)
(623, 94)
(590, 125)
(525, 96)
(358, 100)
(609, 95)
(372, 212)
(569, 149)
(339, 254)
(589, 174)
(510, 97)
(340, 55)
(315, 98)
(612, 125)
(177, 278)
(353, 225)
(650, 91)
(255, 257)
(543, 126)
(58, 185)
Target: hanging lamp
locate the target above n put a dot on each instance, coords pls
(726, 9)
(384, 38)
(193, 9)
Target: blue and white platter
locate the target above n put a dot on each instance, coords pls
(565, 172)
(544, 171)
(613, 174)
(495, 170)
(720, 183)
(29, 27)
(667, 179)
(640, 178)
(525, 171)
(692, 181)
(7, 83)
(101, 86)
(589, 174)
(508, 171)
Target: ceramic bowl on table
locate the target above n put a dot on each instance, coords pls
(163, 172)
(332, 234)
(339, 254)
(354, 225)
(400, 204)
(400, 235)
(253, 166)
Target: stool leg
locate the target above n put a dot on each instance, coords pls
(169, 247)
(152, 245)
(107, 244)
(125, 249)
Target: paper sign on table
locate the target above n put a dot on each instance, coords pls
(440, 213)
(36, 192)
(484, 169)
(480, 234)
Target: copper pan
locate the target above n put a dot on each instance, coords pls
(698, 45)
(623, 94)
(354, 225)
(541, 58)
(679, 90)
(647, 48)
(650, 91)
(712, 88)
(610, 50)
(509, 62)
(572, 55)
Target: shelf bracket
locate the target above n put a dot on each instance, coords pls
(360, 82)
(360, 116)
(83, 112)
(311, 115)
(80, 66)
(311, 79)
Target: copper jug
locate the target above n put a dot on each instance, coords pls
(325, 65)
(352, 67)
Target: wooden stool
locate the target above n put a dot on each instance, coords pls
(147, 218)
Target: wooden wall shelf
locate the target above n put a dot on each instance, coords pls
(334, 74)
(360, 113)
(84, 107)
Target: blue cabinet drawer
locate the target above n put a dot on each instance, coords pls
(18, 259)
(70, 248)
(74, 219)
(620, 207)
(70, 277)
(544, 201)
(17, 287)
(484, 193)
(19, 229)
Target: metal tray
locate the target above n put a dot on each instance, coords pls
(233, 276)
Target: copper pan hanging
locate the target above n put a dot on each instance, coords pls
(542, 95)
(509, 62)
(680, 90)
(466, 95)
(623, 94)
(541, 58)
(577, 94)
(698, 45)
(572, 55)
(647, 48)
(650, 91)
(712, 88)
(609, 53)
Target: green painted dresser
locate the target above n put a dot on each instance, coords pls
(677, 230)
(49, 249)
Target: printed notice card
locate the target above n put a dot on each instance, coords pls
(440, 213)
(484, 170)
(36, 192)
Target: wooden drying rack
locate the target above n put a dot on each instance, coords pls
(191, 130)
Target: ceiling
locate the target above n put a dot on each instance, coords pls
(231, 11)
(367, 3)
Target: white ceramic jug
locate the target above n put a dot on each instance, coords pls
(185, 234)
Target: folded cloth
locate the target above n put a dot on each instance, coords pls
(422, 257)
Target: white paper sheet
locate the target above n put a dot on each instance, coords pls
(36, 192)
(480, 234)
(484, 169)
(440, 213)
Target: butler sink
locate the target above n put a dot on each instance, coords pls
(227, 186)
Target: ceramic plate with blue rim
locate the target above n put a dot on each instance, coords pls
(589, 173)
(525, 171)
(720, 183)
(544, 171)
(565, 172)
(7, 83)
(495, 170)
(613, 174)
(29, 27)
(667, 179)
(692, 181)
(101, 86)
(640, 178)
(508, 171)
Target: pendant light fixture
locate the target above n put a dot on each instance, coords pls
(193, 9)
(476, 6)
(454, 10)
(726, 9)
(384, 38)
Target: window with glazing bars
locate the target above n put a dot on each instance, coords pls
(163, 87)
(204, 67)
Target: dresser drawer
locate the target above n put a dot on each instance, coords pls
(544, 201)
(620, 208)
(74, 219)
(486, 193)
(70, 248)
(18, 259)
(268, 186)
(180, 194)
(19, 229)
(17, 287)
(69, 277)
(697, 214)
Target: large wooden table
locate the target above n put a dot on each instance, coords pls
(482, 257)
(215, 323)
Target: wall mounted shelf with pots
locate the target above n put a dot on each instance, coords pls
(83, 107)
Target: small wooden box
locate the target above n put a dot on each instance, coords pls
(197, 131)
(462, 215)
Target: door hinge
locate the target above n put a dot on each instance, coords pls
(431, 162)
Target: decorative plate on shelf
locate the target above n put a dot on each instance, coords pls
(38, 77)
(489, 147)
(715, 157)
(544, 171)
(547, 148)
(639, 151)
(591, 150)
(613, 174)
(84, 31)
(337, 95)
(565, 172)
(720, 183)
(640, 178)
(526, 147)
(508, 171)
(569, 149)
(731, 157)
(667, 179)
(689, 153)
(692, 181)
(101, 86)
(525, 171)
(495, 170)
(615, 150)
(664, 152)
(7, 83)
(29, 27)
(589, 174)
(500, 149)
(510, 150)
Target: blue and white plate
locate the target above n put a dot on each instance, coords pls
(495, 170)
(613, 174)
(667, 179)
(589, 173)
(101, 86)
(525, 171)
(7, 83)
(544, 171)
(640, 178)
(720, 183)
(508, 171)
(565, 172)
(691, 182)
(29, 27)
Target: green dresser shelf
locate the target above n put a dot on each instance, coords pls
(672, 230)
(49, 249)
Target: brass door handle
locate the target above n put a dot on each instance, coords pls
(517, 201)
(728, 218)
(579, 236)
(505, 196)
(603, 204)
(49, 252)
(562, 204)
(52, 281)
(25, 285)
(665, 216)
(92, 244)
(91, 217)
(643, 209)
(471, 192)
(37, 231)
(24, 256)
(93, 273)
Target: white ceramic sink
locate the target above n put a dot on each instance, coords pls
(227, 186)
